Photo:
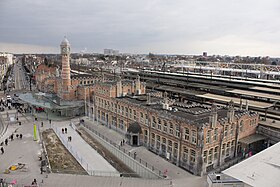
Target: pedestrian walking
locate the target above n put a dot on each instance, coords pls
(6, 141)
(134, 155)
(2, 150)
(50, 121)
(12, 137)
(123, 141)
(42, 124)
(20, 136)
(165, 173)
(17, 136)
(19, 123)
(34, 182)
(65, 130)
(41, 169)
(62, 130)
(70, 138)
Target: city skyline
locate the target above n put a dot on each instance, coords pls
(245, 28)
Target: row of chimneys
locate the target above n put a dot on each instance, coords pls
(137, 86)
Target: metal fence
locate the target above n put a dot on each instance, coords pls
(3, 127)
(82, 161)
(138, 165)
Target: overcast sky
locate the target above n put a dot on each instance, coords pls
(233, 27)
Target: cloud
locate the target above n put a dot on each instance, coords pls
(27, 49)
(164, 26)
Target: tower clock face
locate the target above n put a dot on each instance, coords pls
(64, 49)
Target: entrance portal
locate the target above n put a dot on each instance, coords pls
(134, 140)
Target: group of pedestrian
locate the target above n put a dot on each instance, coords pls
(7, 141)
(69, 138)
(19, 136)
(64, 131)
(122, 142)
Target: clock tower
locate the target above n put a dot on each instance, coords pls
(65, 72)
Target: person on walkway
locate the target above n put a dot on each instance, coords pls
(62, 130)
(70, 138)
(2, 143)
(165, 173)
(42, 124)
(34, 182)
(41, 170)
(12, 137)
(50, 121)
(17, 136)
(2, 150)
(19, 123)
(20, 136)
(134, 155)
(6, 141)
(123, 141)
(65, 130)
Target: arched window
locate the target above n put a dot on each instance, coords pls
(205, 156)
(192, 156)
(215, 134)
(170, 128)
(185, 154)
(159, 124)
(226, 131)
(164, 126)
(208, 136)
(210, 156)
(194, 135)
(154, 122)
(187, 133)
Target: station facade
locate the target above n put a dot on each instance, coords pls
(193, 136)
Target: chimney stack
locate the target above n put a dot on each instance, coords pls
(213, 116)
(230, 112)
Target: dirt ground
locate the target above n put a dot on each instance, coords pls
(60, 159)
(112, 159)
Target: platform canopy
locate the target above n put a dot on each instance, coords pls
(262, 169)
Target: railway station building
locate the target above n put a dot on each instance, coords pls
(196, 137)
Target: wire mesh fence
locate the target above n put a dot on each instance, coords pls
(140, 166)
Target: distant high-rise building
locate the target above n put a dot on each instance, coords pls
(111, 52)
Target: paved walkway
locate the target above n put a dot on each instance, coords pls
(24, 150)
(88, 157)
